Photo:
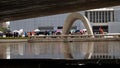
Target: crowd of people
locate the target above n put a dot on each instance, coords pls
(33, 33)
(46, 32)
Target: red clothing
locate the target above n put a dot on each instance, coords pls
(101, 30)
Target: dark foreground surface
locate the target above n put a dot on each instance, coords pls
(59, 63)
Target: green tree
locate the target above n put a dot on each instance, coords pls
(3, 29)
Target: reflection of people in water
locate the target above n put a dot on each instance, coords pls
(101, 30)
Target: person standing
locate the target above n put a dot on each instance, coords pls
(101, 30)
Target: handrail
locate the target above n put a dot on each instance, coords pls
(76, 36)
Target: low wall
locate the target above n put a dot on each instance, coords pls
(73, 39)
(12, 40)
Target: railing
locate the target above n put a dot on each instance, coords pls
(76, 36)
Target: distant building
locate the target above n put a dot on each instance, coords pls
(107, 18)
(3, 24)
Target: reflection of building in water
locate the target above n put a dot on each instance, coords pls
(47, 50)
(21, 48)
(99, 50)
(106, 50)
(114, 49)
(35, 50)
(2, 52)
(79, 49)
(14, 49)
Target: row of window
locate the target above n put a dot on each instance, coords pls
(103, 57)
(100, 16)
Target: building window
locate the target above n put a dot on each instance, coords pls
(86, 14)
(93, 15)
(46, 28)
(100, 16)
(112, 16)
(90, 16)
(97, 17)
(96, 29)
(59, 27)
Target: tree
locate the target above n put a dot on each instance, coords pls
(3, 29)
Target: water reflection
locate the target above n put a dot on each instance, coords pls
(60, 50)
(82, 50)
(3, 51)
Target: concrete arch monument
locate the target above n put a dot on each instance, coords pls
(73, 17)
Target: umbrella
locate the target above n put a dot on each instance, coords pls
(84, 29)
(15, 30)
(59, 30)
(36, 30)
